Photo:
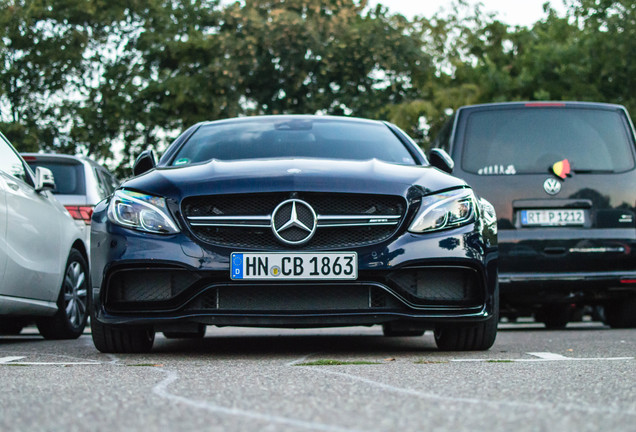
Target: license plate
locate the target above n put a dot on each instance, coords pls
(299, 265)
(552, 217)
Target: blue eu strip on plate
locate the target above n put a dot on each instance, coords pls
(237, 266)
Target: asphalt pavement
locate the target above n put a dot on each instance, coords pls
(582, 378)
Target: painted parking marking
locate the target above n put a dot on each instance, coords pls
(467, 400)
(548, 356)
(9, 359)
(162, 390)
(545, 357)
(13, 361)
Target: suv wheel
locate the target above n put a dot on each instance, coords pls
(555, 316)
(621, 314)
(116, 339)
(70, 319)
(11, 327)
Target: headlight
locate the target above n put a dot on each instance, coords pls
(488, 210)
(445, 210)
(141, 212)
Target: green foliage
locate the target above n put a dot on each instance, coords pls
(112, 78)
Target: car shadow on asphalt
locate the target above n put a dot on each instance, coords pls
(20, 339)
(297, 345)
(537, 327)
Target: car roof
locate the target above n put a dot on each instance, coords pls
(543, 104)
(59, 157)
(293, 117)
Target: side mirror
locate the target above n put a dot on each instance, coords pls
(144, 163)
(44, 179)
(441, 160)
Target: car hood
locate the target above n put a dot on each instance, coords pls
(277, 175)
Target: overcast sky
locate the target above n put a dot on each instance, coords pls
(513, 12)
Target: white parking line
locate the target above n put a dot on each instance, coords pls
(162, 391)
(474, 401)
(9, 359)
(548, 356)
(544, 357)
(13, 362)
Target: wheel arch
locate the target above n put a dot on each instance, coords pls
(81, 248)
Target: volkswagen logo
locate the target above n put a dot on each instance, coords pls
(552, 186)
(294, 222)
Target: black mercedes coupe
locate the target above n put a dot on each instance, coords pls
(297, 222)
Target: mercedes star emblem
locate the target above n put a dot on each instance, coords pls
(552, 186)
(294, 222)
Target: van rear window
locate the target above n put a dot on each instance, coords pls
(69, 176)
(531, 140)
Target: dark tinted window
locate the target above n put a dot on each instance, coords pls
(69, 176)
(531, 140)
(106, 181)
(285, 137)
(442, 140)
(102, 185)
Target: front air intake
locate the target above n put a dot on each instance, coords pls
(131, 286)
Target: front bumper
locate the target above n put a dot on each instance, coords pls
(146, 279)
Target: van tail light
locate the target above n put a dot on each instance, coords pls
(81, 213)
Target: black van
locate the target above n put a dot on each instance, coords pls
(562, 178)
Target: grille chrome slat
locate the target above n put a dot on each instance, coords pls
(230, 218)
(239, 225)
(323, 221)
(357, 217)
(354, 224)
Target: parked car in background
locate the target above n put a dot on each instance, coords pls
(562, 178)
(80, 183)
(44, 270)
(293, 221)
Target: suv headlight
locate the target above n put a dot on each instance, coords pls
(445, 210)
(141, 212)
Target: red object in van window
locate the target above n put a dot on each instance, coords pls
(81, 213)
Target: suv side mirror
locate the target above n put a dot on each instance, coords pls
(144, 163)
(442, 160)
(44, 179)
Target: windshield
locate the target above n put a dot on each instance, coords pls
(286, 137)
(532, 140)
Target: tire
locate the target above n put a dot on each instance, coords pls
(555, 317)
(621, 314)
(9, 327)
(72, 303)
(390, 330)
(472, 337)
(199, 334)
(125, 339)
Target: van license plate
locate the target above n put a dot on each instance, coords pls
(553, 217)
(299, 265)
